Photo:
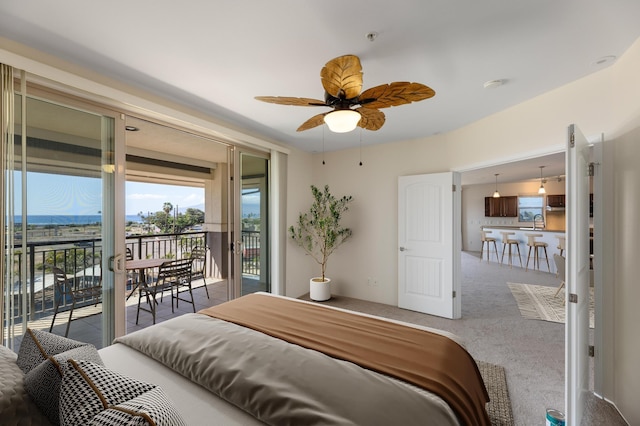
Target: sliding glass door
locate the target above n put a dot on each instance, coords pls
(251, 224)
(60, 216)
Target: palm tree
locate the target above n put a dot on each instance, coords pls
(167, 207)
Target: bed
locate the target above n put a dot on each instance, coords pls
(276, 360)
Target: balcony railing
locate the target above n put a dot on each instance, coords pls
(251, 253)
(81, 260)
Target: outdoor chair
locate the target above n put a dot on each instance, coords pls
(78, 291)
(173, 276)
(132, 276)
(199, 268)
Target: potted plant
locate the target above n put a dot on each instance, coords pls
(319, 233)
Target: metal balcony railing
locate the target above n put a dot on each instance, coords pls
(81, 260)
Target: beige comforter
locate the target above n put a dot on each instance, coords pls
(284, 384)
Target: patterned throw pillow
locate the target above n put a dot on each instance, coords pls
(38, 345)
(91, 394)
(43, 356)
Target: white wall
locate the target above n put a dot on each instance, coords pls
(626, 284)
(299, 266)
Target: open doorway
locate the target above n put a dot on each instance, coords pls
(176, 209)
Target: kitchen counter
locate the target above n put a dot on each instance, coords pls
(549, 236)
(522, 228)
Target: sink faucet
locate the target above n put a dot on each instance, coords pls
(535, 218)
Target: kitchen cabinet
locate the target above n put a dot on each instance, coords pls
(555, 201)
(501, 207)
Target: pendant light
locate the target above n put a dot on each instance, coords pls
(541, 190)
(496, 194)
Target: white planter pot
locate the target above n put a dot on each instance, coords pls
(320, 290)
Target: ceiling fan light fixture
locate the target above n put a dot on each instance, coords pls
(342, 120)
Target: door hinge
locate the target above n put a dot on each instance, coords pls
(454, 294)
(573, 298)
(572, 139)
(592, 169)
(453, 188)
(592, 351)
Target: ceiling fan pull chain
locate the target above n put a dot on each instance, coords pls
(360, 146)
(323, 145)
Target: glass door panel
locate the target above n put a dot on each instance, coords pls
(252, 248)
(60, 202)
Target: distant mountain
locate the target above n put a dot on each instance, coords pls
(183, 210)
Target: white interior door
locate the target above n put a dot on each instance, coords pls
(429, 244)
(577, 279)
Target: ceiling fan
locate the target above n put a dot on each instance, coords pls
(341, 78)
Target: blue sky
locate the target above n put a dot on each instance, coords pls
(147, 197)
(52, 194)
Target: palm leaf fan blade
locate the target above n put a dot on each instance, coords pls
(370, 119)
(284, 100)
(316, 120)
(394, 94)
(342, 77)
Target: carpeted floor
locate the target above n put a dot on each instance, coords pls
(540, 302)
(495, 380)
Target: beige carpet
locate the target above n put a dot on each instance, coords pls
(495, 380)
(539, 302)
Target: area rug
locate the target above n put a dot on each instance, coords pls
(539, 302)
(495, 380)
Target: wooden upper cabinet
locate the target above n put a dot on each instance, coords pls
(501, 207)
(555, 200)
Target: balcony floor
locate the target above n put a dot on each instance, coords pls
(87, 325)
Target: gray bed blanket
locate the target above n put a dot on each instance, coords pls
(280, 383)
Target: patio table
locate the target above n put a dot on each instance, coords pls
(141, 265)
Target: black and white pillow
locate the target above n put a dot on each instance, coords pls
(43, 357)
(90, 394)
(38, 345)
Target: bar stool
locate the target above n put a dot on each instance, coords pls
(506, 241)
(562, 241)
(536, 246)
(488, 239)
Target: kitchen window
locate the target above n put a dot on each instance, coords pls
(529, 206)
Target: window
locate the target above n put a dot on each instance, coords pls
(529, 207)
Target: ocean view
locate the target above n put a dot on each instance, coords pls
(43, 220)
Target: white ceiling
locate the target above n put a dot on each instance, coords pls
(215, 56)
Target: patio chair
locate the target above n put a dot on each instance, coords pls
(79, 292)
(173, 275)
(199, 269)
(132, 276)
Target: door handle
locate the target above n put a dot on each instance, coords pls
(403, 249)
(115, 263)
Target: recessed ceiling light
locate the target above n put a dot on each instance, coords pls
(131, 128)
(492, 84)
(604, 60)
